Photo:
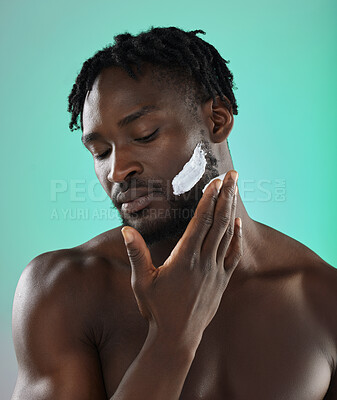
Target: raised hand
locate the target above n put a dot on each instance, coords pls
(181, 297)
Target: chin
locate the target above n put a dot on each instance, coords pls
(157, 225)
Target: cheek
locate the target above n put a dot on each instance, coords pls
(191, 173)
(102, 172)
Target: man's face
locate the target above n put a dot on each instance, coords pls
(119, 115)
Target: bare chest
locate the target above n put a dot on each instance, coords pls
(252, 349)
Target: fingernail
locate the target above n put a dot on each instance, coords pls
(239, 222)
(218, 184)
(234, 176)
(236, 189)
(127, 235)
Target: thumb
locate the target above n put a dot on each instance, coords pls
(139, 255)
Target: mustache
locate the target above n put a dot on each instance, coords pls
(158, 186)
(152, 184)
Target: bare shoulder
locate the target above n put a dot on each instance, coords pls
(58, 271)
(72, 280)
(57, 311)
(319, 286)
(71, 266)
(291, 258)
(305, 278)
(56, 282)
(319, 291)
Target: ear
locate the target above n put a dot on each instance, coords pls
(218, 116)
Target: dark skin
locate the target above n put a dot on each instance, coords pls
(218, 313)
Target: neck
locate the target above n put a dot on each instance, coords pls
(251, 237)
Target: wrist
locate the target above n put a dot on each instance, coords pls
(179, 343)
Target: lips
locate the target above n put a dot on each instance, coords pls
(137, 204)
(134, 200)
(132, 194)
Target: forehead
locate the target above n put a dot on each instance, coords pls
(114, 92)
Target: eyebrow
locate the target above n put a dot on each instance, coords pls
(122, 123)
(90, 137)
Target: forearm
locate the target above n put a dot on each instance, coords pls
(159, 371)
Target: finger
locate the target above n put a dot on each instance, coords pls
(229, 233)
(194, 235)
(235, 250)
(139, 256)
(222, 215)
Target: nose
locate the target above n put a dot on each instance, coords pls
(123, 164)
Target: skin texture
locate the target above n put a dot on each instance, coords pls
(103, 320)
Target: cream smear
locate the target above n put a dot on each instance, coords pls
(191, 173)
(217, 177)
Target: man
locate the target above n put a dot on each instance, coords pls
(189, 305)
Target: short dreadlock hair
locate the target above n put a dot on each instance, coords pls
(196, 62)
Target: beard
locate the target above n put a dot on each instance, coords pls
(168, 223)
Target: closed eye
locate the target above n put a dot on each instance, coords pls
(149, 137)
(101, 156)
(143, 139)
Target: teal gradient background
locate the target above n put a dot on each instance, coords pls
(283, 57)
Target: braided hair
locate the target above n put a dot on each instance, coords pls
(180, 54)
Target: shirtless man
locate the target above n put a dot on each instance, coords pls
(189, 306)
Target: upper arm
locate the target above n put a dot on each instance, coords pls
(321, 294)
(331, 394)
(55, 358)
(332, 390)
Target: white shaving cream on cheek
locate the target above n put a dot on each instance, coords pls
(191, 173)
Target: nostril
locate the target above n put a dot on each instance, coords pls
(124, 183)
